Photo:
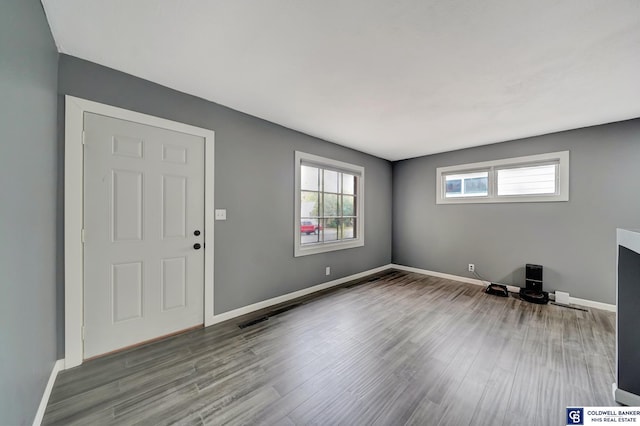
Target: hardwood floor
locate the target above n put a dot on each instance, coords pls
(402, 349)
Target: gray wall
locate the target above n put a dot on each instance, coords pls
(28, 69)
(574, 241)
(254, 182)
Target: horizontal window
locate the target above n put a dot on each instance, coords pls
(533, 178)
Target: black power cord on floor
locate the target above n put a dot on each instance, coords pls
(481, 278)
(478, 276)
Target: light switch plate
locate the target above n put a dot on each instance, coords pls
(221, 214)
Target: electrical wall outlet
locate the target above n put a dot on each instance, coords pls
(327, 270)
(472, 267)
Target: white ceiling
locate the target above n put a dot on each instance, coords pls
(393, 78)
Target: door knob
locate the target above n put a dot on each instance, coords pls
(196, 232)
(197, 246)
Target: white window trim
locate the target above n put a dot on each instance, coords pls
(562, 157)
(304, 250)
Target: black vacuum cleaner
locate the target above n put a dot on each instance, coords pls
(532, 292)
(497, 290)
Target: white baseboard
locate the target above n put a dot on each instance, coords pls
(57, 367)
(514, 289)
(438, 274)
(592, 304)
(468, 280)
(290, 296)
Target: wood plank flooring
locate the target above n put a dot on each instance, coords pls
(403, 349)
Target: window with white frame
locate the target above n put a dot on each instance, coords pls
(329, 200)
(534, 178)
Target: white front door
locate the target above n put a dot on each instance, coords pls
(144, 233)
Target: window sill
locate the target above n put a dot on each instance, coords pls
(326, 247)
(506, 199)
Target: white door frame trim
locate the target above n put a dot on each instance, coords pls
(73, 212)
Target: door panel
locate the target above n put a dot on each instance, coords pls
(174, 212)
(126, 204)
(174, 280)
(144, 198)
(126, 291)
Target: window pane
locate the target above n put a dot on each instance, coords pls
(529, 180)
(309, 231)
(348, 228)
(330, 229)
(309, 204)
(347, 205)
(348, 184)
(474, 184)
(330, 181)
(309, 178)
(330, 205)
(453, 187)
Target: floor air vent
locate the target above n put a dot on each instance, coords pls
(569, 307)
(252, 322)
(283, 310)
